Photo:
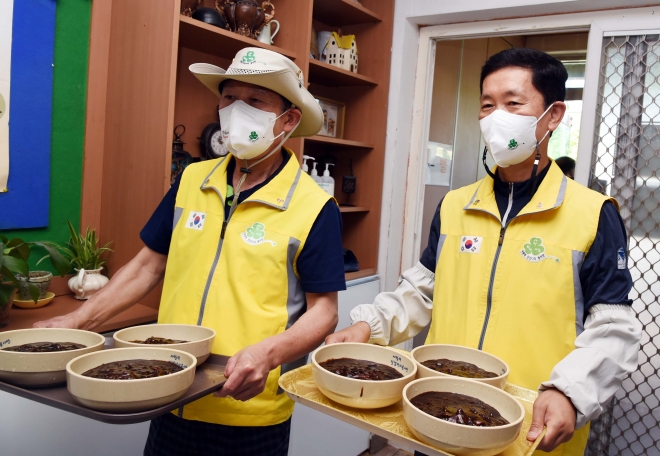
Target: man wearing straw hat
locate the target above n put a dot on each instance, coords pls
(248, 245)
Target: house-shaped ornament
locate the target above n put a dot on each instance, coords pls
(341, 51)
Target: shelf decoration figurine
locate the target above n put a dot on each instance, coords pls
(246, 17)
(314, 47)
(348, 184)
(341, 51)
(188, 7)
(180, 158)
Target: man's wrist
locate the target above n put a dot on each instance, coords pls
(364, 329)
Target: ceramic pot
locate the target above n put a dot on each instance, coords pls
(39, 279)
(244, 17)
(87, 282)
(4, 311)
(266, 35)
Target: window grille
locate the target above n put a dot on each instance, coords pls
(626, 166)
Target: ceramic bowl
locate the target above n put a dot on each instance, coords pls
(129, 396)
(42, 369)
(365, 394)
(30, 304)
(460, 439)
(458, 353)
(200, 338)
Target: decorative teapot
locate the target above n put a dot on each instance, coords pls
(244, 17)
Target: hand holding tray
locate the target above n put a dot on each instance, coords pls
(388, 422)
(209, 377)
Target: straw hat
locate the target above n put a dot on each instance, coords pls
(270, 70)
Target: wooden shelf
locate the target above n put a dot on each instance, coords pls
(203, 37)
(343, 12)
(25, 318)
(360, 274)
(325, 74)
(348, 209)
(337, 144)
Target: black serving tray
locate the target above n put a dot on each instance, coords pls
(208, 378)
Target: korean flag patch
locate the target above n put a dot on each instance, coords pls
(196, 220)
(471, 244)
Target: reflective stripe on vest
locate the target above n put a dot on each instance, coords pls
(514, 290)
(245, 285)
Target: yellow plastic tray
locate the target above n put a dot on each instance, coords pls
(388, 422)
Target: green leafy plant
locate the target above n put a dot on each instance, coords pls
(14, 255)
(83, 251)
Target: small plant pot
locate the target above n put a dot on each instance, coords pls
(4, 311)
(87, 282)
(39, 279)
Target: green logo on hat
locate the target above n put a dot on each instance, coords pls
(513, 144)
(248, 58)
(253, 136)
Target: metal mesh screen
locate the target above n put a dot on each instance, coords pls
(626, 166)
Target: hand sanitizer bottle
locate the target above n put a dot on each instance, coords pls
(327, 182)
(305, 168)
(315, 175)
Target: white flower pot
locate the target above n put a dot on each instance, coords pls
(87, 282)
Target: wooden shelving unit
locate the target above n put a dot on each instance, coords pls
(328, 75)
(344, 12)
(360, 274)
(348, 209)
(209, 39)
(337, 144)
(147, 47)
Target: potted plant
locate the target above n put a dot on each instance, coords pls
(85, 255)
(14, 255)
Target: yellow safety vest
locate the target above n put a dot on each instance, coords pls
(516, 292)
(245, 285)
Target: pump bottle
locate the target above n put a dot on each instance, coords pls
(327, 183)
(315, 175)
(305, 168)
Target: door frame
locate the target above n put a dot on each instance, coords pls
(598, 23)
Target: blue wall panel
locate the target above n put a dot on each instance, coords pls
(26, 203)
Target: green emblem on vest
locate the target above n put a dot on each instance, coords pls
(535, 247)
(513, 144)
(534, 251)
(248, 58)
(255, 234)
(253, 136)
(256, 231)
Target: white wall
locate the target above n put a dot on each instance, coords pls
(28, 428)
(313, 433)
(408, 15)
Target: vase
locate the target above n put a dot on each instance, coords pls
(39, 279)
(87, 282)
(244, 17)
(4, 310)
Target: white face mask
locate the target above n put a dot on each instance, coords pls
(246, 131)
(510, 138)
